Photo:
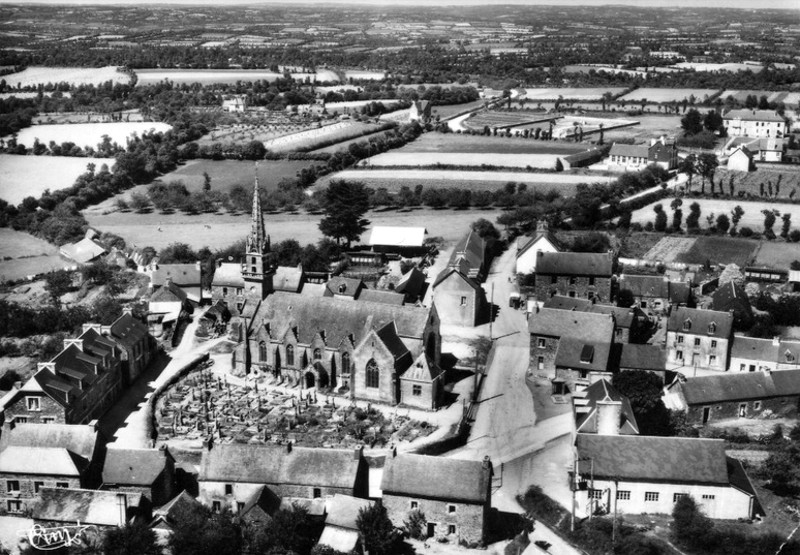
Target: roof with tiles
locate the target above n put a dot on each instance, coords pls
(455, 273)
(634, 151)
(603, 391)
(47, 461)
(580, 354)
(134, 467)
(180, 274)
(379, 296)
(82, 440)
(82, 505)
(731, 296)
(277, 464)
(645, 286)
(342, 510)
(177, 510)
(56, 387)
(411, 283)
(590, 327)
(754, 115)
(740, 386)
(650, 458)
(228, 274)
(469, 254)
(575, 264)
(168, 293)
(344, 287)
(445, 478)
(701, 322)
(288, 278)
(642, 357)
(128, 330)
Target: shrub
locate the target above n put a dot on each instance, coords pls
(746, 232)
(417, 525)
(794, 235)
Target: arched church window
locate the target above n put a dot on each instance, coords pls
(373, 374)
(290, 355)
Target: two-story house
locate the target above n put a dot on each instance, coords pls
(751, 354)
(754, 123)
(150, 472)
(698, 338)
(574, 274)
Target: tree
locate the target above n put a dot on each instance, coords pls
(346, 202)
(713, 121)
(736, 216)
(643, 389)
(786, 224)
(689, 525)
(692, 122)
(417, 525)
(693, 219)
(177, 253)
(707, 165)
(661, 218)
(377, 530)
(289, 530)
(206, 182)
(677, 213)
(689, 166)
(57, 283)
(770, 216)
(203, 533)
(131, 539)
(723, 223)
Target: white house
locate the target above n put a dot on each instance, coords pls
(529, 247)
(741, 160)
(754, 123)
(234, 103)
(633, 474)
(751, 354)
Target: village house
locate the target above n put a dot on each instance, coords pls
(420, 111)
(601, 409)
(698, 338)
(231, 473)
(631, 325)
(741, 160)
(528, 248)
(188, 277)
(412, 285)
(753, 354)
(35, 456)
(234, 103)
(87, 250)
(165, 306)
(137, 345)
(656, 294)
(574, 274)
(662, 152)
(763, 149)
(341, 529)
(95, 509)
(454, 496)
(461, 298)
(576, 358)
(173, 513)
(633, 474)
(754, 123)
(731, 297)
(740, 395)
(470, 257)
(150, 472)
(644, 358)
(77, 385)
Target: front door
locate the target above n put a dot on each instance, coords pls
(706, 414)
(431, 529)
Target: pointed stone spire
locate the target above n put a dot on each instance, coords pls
(258, 240)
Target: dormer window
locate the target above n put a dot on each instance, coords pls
(342, 288)
(587, 354)
(789, 356)
(712, 327)
(687, 324)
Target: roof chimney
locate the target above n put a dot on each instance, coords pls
(357, 452)
(609, 416)
(776, 341)
(127, 310)
(122, 503)
(77, 342)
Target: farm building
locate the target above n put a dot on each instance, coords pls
(528, 248)
(574, 274)
(731, 297)
(661, 151)
(655, 293)
(97, 510)
(341, 529)
(752, 354)
(601, 409)
(741, 159)
(764, 149)
(150, 472)
(86, 250)
(398, 240)
(583, 159)
(234, 103)
(186, 276)
(699, 338)
(461, 298)
(754, 123)
(646, 475)
(764, 274)
(740, 395)
(164, 308)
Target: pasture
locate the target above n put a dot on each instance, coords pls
(585, 94)
(667, 95)
(788, 98)
(777, 254)
(219, 231)
(494, 119)
(210, 76)
(423, 159)
(22, 254)
(39, 75)
(749, 183)
(225, 174)
(88, 134)
(449, 110)
(719, 250)
(474, 144)
(30, 176)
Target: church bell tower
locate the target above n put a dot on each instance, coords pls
(257, 268)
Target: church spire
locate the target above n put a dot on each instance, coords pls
(258, 240)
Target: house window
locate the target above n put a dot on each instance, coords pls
(742, 368)
(540, 363)
(20, 419)
(712, 327)
(373, 373)
(713, 343)
(33, 403)
(224, 291)
(623, 495)
(591, 280)
(757, 405)
(416, 390)
(451, 529)
(541, 343)
(687, 325)
(216, 507)
(572, 294)
(451, 509)
(709, 496)
(680, 339)
(595, 494)
(228, 489)
(414, 505)
(62, 485)
(572, 280)
(289, 355)
(651, 496)
(12, 486)
(644, 304)
(678, 355)
(696, 341)
(712, 360)
(590, 295)
(239, 507)
(14, 505)
(37, 486)
(677, 496)
(463, 301)
(316, 493)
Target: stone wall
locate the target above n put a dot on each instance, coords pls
(462, 521)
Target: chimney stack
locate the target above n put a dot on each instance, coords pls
(357, 452)
(609, 416)
(122, 503)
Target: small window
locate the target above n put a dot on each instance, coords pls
(644, 304)
(696, 341)
(757, 405)
(33, 403)
(37, 486)
(239, 507)
(687, 325)
(541, 343)
(712, 328)
(572, 294)
(228, 489)
(416, 390)
(463, 301)
(20, 419)
(451, 509)
(590, 295)
(451, 529)
(595, 494)
(742, 368)
(216, 507)
(591, 280)
(48, 419)
(678, 355)
(540, 363)
(623, 495)
(554, 279)
(414, 505)
(62, 485)
(573, 281)
(712, 360)
(14, 505)
(709, 496)
(680, 339)
(317, 493)
(651, 496)
(224, 291)
(677, 496)
(713, 343)
(12, 486)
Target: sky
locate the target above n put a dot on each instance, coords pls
(743, 4)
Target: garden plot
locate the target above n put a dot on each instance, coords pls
(30, 176)
(669, 248)
(586, 94)
(24, 255)
(777, 254)
(667, 95)
(38, 75)
(88, 134)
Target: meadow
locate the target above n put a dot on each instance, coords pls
(777, 254)
(449, 110)
(789, 98)
(225, 174)
(88, 134)
(505, 119)
(667, 95)
(30, 176)
(586, 94)
(22, 255)
(475, 144)
(719, 250)
(38, 75)
(503, 160)
(229, 76)
(310, 139)
(750, 182)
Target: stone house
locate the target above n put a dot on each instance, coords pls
(698, 338)
(528, 248)
(633, 475)
(173, 513)
(461, 301)
(454, 495)
(76, 386)
(751, 354)
(341, 529)
(36, 456)
(138, 346)
(644, 358)
(165, 306)
(188, 277)
(470, 257)
(574, 274)
(731, 297)
(150, 472)
(655, 293)
(740, 395)
(662, 152)
(230, 474)
(631, 325)
(576, 358)
(98, 510)
(754, 123)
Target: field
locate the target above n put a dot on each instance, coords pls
(608, 69)
(667, 95)
(752, 218)
(37, 75)
(449, 142)
(39, 256)
(750, 182)
(543, 161)
(311, 138)
(788, 98)
(344, 144)
(669, 248)
(649, 127)
(393, 180)
(448, 110)
(88, 134)
(731, 67)
(25, 176)
(719, 250)
(505, 119)
(209, 76)
(225, 174)
(572, 94)
(777, 254)
(366, 74)
(224, 230)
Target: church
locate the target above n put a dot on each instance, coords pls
(362, 349)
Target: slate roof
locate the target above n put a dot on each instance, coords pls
(602, 390)
(525, 243)
(389, 337)
(700, 322)
(380, 296)
(179, 508)
(740, 386)
(288, 278)
(170, 293)
(597, 328)
(562, 302)
(342, 510)
(79, 439)
(412, 283)
(180, 274)
(97, 344)
(679, 292)
(447, 272)
(731, 296)
(636, 151)
(574, 264)
(655, 459)
(645, 286)
(397, 236)
(421, 370)
(83, 251)
(444, 478)
(469, 254)
(228, 274)
(128, 330)
(55, 387)
(274, 464)
(754, 348)
(77, 365)
(262, 502)
(580, 354)
(754, 115)
(86, 506)
(643, 357)
(134, 467)
(47, 461)
(343, 286)
(340, 539)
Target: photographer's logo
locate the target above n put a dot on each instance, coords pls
(47, 539)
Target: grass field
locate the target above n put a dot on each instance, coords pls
(667, 95)
(719, 250)
(39, 256)
(446, 110)
(344, 144)
(505, 119)
(308, 139)
(422, 159)
(752, 218)
(638, 244)
(223, 230)
(788, 98)
(572, 94)
(750, 182)
(25, 176)
(225, 174)
(372, 75)
(208, 76)
(777, 254)
(38, 75)
(650, 126)
(474, 144)
(88, 134)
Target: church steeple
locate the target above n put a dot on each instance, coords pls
(257, 266)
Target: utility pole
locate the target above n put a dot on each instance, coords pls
(491, 312)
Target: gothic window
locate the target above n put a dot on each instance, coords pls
(373, 377)
(345, 363)
(262, 352)
(289, 355)
(317, 354)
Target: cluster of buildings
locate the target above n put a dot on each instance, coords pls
(755, 136)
